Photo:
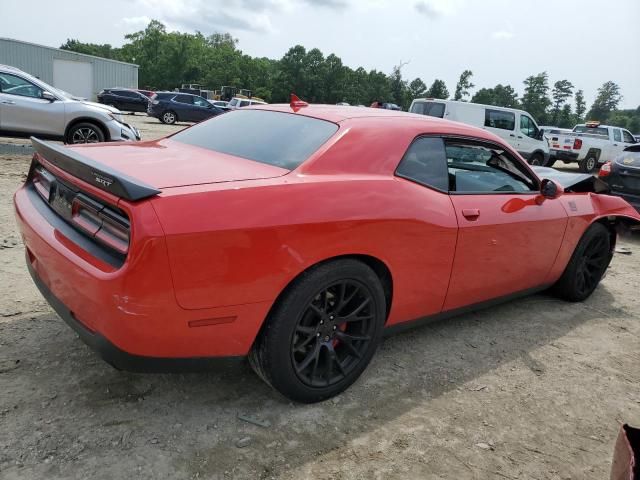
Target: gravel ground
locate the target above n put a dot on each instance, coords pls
(533, 389)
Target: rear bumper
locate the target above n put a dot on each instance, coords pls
(117, 357)
(563, 155)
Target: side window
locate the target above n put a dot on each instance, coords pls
(499, 119)
(617, 136)
(188, 99)
(425, 163)
(478, 169)
(528, 127)
(244, 103)
(13, 85)
(628, 138)
(201, 102)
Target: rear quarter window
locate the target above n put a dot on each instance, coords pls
(281, 139)
(499, 119)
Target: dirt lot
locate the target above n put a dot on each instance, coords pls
(534, 389)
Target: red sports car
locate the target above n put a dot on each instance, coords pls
(297, 234)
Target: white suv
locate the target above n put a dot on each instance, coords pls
(29, 106)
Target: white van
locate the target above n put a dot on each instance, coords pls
(517, 127)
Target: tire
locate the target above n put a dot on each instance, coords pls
(322, 333)
(536, 159)
(85, 132)
(169, 117)
(588, 164)
(588, 263)
(551, 162)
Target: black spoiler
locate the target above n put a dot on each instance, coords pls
(98, 175)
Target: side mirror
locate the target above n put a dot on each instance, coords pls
(48, 96)
(550, 189)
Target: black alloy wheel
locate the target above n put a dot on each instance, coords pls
(333, 333)
(322, 331)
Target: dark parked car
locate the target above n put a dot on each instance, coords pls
(171, 107)
(623, 175)
(124, 99)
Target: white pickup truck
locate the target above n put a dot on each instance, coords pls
(589, 144)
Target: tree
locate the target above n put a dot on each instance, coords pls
(581, 106)
(607, 100)
(438, 89)
(562, 91)
(417, 88)
(463, 86)
(398, 87)
(98, 50)
(500, 96)
(535, 99)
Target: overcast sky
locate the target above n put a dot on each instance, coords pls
(502, 41)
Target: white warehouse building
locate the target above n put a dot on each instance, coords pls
(79, 74)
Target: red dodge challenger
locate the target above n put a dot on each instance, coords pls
(297, 234)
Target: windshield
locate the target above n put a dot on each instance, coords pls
(281, 139)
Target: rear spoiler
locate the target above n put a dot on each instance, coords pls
(98, 175)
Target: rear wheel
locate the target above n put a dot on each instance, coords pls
(588, 164)
(588, 263)
(323, 332)
(84, 132)
(169, 117)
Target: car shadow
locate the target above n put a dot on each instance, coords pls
(192, 417)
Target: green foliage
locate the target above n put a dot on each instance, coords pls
(562, 91)
(438, 89)
(500, 96)
(169, 59)
(581, 106)
(535, 99)
(463, 86)
(606, 101)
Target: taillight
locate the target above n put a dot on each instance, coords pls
(577, 144)
(605, 170)
(101, 223)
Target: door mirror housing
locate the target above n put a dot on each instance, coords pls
(48, 96)
(550, 189)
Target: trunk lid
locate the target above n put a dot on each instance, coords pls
(166, 163)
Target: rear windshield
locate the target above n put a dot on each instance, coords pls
(591, 130)
(281, 139)
(432, 109)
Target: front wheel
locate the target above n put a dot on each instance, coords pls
(536, 159)
(84, 133)
(588, 263)
(322, 333)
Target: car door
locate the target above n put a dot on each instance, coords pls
(508, 234)
(203, 109)
(615, 147)
(627, 139)
(431, 255)
(23, 110)
(184, 108)
(502, 123)
(527, 137)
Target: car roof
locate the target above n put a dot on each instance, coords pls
(383, 119)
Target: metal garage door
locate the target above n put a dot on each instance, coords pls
(74, 77)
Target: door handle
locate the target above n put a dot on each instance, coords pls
(8, 102)
(615, 144)
(519, 136)
(511, 135)
(470, 213)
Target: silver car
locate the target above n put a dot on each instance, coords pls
(29, 106)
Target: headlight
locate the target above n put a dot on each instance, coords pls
(116, 116)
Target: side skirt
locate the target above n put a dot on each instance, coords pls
(410, 324)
